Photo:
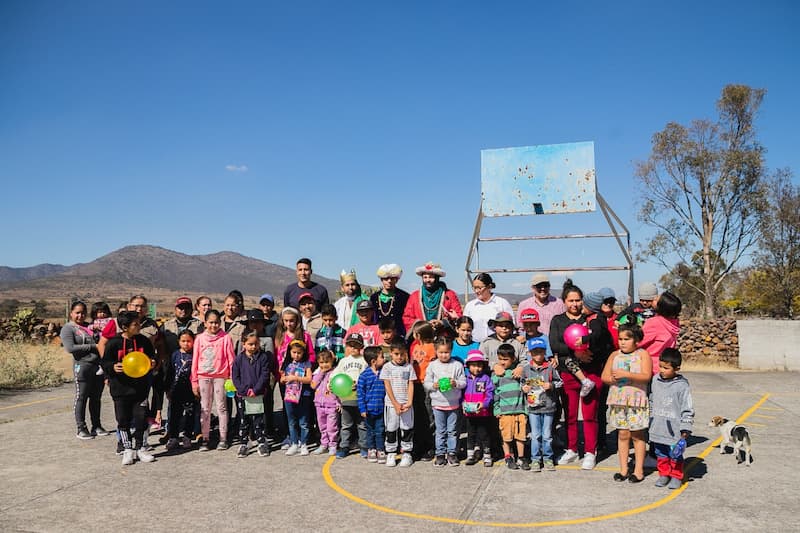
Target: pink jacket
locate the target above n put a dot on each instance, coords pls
(659, 333)
(213, 356)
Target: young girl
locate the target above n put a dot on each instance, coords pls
(297, 398)
(250, 375)
(463, 343)
(101, 316)
(478, 396)
(290, 327)
(627, 372)
(444, 379)
(326, 403)
(129, 394)
(661, 330)
(182, 402)
(211, 366)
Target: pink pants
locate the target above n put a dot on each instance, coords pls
(328, 422)
(572, 389)
(213, 388)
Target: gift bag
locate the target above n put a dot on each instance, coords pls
(254, 405)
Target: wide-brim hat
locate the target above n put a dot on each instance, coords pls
(502, 316)
(431, 268)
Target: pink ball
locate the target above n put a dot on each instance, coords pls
(573, 333)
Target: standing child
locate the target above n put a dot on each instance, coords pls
(297, 398)
(627, 373)
(671, 418)
(398, 377)
(353, 365)
(540, 383)
(331, 336)
(366, 326)
(129, 394)
(211, 366)
(503, 326)
(371, 393)
(530, 330)
(509, 408)
(326, 403)
(445, 380)
(388, 334)
(250, 375)
(463, 343)
(182, 402)
(422, 353)
(478, 396)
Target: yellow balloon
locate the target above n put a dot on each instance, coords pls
(136, 364)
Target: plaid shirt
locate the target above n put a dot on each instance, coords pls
(331, 339)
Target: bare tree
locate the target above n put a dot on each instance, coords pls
(702, 189)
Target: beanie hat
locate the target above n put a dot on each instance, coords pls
(475, 356)
(648, 291)
(594, 301)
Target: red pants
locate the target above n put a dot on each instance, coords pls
(589, 403)
(668, 467)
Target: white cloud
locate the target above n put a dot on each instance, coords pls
(234, 168)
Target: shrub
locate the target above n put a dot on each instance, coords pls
(27, 367)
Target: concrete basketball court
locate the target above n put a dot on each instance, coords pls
(53, 482)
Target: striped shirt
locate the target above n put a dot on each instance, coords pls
(508, 396)
(398, 378)
(371, 393)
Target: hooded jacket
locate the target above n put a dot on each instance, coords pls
(659, 333)
(671, 409)
(213, 356)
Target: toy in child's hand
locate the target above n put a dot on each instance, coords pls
(573, 334)
(135, 364)
(341, 385)
(230, 388)
(677, 449)
(472, 407)
(444, 384)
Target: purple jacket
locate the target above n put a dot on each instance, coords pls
(478, 390)
(247, 374)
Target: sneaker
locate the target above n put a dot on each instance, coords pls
(549, 465)
(487, 461)
(511, 464)
(186, 443)
(304, 450)
(372, 456)
(144, 456)
(320, 450)
(381, 457)
(569, 456)
(589, 460)
(293, 449)
(332, 451)
(263, 449)
(524, 463)
(440, 461)
(99, 431)
(535, 466)
(120, 448)
(674, 483)
(586, 386)
(172, 444)
(428, 456)
(223, 445)
(406, 460)
(472, 459)
(204, 446)
(128, 457)
(662, 481)
(242, 451)
(452, 460)
(391, 459)
(341, 454)
(84, 435)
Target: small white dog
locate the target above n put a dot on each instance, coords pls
(733, 435)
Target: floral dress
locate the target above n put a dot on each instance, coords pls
(628, 407)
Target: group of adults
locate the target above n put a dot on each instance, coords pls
(432, 302)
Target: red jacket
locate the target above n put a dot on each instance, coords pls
(413, 311)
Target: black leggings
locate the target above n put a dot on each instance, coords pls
(479, 429)
(131, 411)
(88, 389)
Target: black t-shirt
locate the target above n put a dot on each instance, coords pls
(121, 384)
(291, 295)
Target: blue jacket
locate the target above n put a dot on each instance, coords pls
(371, 392)
(250, 374)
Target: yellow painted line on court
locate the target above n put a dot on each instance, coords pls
(756, 425)
(766, 416)
(326, 474)
(34, 402)
(770, 409)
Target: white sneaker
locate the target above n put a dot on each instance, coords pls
(391, 459)
(569, 456)
(332, 451)
(292, 449)
(406, 460)
(320, 450)
(303, 450)
(144, 456)
(586, 386)
(128, 457)
(589, 461)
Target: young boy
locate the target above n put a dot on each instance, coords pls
(371, 393)
(387, 328)
(509, 407)
(182, 402)
(366, 326)
(256, 322)
(530, 330)
(540, 383)
(503, 325)
(444, 381)
(353, 365)
(331, 336)
(250, 375)
(422, 353)
(398, 377)
(671, 418)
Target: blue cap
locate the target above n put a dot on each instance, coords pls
(534, 343)
(267, 297)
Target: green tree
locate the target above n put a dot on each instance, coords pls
(702, 189)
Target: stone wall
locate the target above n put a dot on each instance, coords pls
(714, 341)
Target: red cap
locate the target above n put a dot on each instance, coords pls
(183, 300)
(529, 315)
(306, 295)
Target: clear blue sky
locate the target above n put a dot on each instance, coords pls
(351, 132)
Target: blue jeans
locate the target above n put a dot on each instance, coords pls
(297, 415)
(375, 432)
(541, 428)
(446, 435)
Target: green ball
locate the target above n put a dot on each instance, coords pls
(342, 385)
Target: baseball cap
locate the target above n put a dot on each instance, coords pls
(539, 278)
(306, 295)
(535, 343)
(364, 305)
(502, 316)
(183, 300)
(268, 297)
(255, 314)
(529, 315)
(355, 338)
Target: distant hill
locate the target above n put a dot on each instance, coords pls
(152, 269)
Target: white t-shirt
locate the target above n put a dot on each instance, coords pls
(399, 378)
(482, 312)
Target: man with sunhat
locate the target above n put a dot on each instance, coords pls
(433, 302)
(390, 302)
(546, 305)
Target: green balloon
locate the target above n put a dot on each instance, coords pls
(229, 386)
(341, 385)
